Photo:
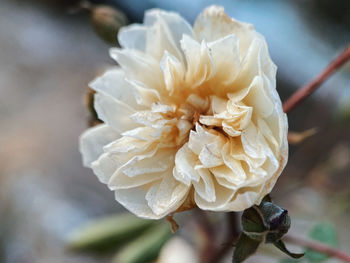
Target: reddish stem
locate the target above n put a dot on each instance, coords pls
(304, 92)
(319, 247)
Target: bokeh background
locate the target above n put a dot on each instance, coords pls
(48, 54)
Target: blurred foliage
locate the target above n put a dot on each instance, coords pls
(289, 260)
(108, 233)
(324, 233)
(146, 247)
(134, 240)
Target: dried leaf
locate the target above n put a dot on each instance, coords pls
(298, 137)
(174, 225)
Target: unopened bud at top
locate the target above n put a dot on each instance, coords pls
(107, 21)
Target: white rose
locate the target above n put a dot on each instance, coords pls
(192, 115)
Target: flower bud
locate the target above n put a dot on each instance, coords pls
(277, 221)
(266, 223)
(107, 21)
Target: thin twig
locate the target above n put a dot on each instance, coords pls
(319, 247)
(208, 233)
(305, 91)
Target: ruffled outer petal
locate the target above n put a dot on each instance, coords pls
(93, 140)
(152, 201)
(114, 113)
(160, 32)
(113, 83)
(213, 24)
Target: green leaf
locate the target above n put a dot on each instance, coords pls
(108, 233)
(324, 233)
(146, 247)
(245, 247)
(281, 246)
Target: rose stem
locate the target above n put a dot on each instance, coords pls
(208, 233)
(232, 235)
(301, 94)
(319, 247)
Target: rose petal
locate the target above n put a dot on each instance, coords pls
(201, 137)
(213, 24)
(222, 197)
(123, 181)
(113, 83)
(133, 37)
(205, 187)
(185, 161)
(167, 30)
(134, 199)
(151, 162)
(173, 72)
(93, 140)
(226, 60)
(200, 66)
(167, 196)
(114, 113)
(105, 166)
(139, 66)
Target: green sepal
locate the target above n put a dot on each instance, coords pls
(267, 198)
(266, 222)
(252, 221)
(245, 248)
(281, 246)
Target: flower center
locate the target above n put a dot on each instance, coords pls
(196, 117)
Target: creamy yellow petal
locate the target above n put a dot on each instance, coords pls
(92, 141)
(114, 113)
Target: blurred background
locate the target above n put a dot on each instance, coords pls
(48, 54)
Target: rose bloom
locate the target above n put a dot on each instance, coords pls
(191, 118)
